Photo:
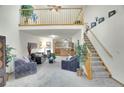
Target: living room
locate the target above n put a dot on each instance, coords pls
(91, 29)
(32, 38)
(40, 39)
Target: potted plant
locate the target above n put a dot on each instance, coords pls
(78, 51)
(81, 51)
(52, 58)
(84, 51)
(9, 58)
(26, 11)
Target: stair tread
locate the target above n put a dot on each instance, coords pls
(95, 57)
(96, 64)
(95, 61)
(93, 51)
(94, 54)
(98, 67)
(98, 70)
(101, 74)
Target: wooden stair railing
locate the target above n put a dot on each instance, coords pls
(88, 62)
(93, 50)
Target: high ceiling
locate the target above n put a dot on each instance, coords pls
(62, 33)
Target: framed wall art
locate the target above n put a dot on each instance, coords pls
(48, 44)
(93, 24)
(111, 13)
(100, 20)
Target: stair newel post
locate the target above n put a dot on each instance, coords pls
(88, 64)
(90, 69)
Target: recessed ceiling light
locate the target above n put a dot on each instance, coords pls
(53, 36)
(65, 40)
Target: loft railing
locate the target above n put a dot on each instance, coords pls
(64, 16)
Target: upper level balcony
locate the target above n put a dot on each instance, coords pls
(47, 17)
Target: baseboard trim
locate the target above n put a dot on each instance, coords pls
(118, 81)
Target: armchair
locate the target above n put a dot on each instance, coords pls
(23, 68)
(71, 64)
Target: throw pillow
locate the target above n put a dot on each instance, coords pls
(51, 58)
(26, 59)
(70, 57)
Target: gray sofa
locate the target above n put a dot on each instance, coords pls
(23, 68)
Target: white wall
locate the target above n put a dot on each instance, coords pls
(78, 36)
(111, 35)
(9, 20)
(26, 37)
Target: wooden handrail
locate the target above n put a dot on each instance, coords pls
(88, 50)
(109, 54)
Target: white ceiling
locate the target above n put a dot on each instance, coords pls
(62, 33)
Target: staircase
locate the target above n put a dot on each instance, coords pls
(99, 70)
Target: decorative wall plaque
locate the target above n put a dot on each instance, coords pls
(111, 13)
(101, 20)
(93, 24)
(48, 44)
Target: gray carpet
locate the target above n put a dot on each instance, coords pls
(51, 75)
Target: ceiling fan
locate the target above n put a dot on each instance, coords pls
(54, 7)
